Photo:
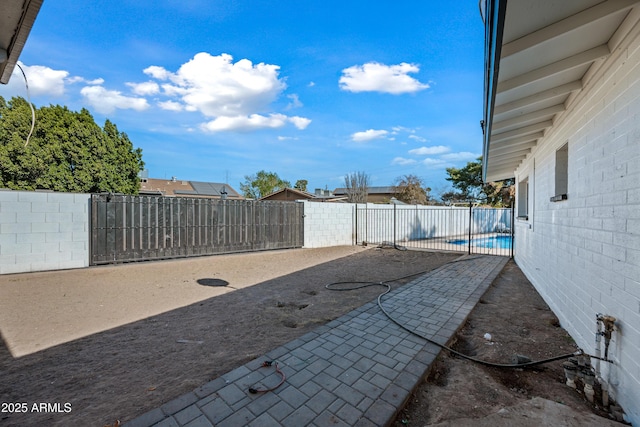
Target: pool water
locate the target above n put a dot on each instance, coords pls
(497, 242)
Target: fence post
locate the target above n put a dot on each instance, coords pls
(394, 224)
(355, 221)
(470, 225)
(512, 227)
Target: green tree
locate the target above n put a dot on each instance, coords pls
(468, 180)
(67, 152)
(262, 184)
(301, 185)
(411, 189)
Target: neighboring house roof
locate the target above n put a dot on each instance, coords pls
(295, 194)
(16, 19)
(370, 190)
(539, 55)
(292, 193)
(180, 188)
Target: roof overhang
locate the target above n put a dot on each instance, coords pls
(537, 54)
(16, 19)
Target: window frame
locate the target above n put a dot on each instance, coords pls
(561, 174)
(523, 199)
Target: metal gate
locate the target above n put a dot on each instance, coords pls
(140, 228)
(474, 230)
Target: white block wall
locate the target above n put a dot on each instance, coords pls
(583, 254)
(43, 231)
(328, 224)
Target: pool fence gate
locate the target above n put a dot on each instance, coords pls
(475, 230)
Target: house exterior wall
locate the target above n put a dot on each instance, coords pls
(583, 254)
(43, 231)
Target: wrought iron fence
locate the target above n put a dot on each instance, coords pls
(138, 228)
(460, 229)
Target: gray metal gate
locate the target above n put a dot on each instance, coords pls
(460, 229)
(139, 228)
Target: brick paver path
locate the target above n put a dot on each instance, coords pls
(358, 370)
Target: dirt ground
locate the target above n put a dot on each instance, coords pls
(114, 342)
(458, 392)
(111, 343)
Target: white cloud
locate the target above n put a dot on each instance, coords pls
(42, 80)
(252, 122)
(462, 156)
(402, 161)
(398, 129)
(216, 86)
(295, 101)
(78, 79)
(171, 106)
(433, 162)
(429, 151)
(368, 135)
(235, 95)
(157, 72)
(300, 122)
(106, 101)
(376, 77)
(146, 88)
(418, 138)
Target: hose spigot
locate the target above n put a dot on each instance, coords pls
(609, 323)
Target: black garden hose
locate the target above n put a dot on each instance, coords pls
(361, 285)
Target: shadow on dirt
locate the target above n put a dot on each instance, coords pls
(126, 371)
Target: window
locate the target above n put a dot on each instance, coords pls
(523, 198)
(562, 176)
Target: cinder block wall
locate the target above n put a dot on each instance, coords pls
(583, 254)
(328, 224)
(43, 231)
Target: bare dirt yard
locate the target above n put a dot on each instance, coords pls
(459, 392)
(111, 343)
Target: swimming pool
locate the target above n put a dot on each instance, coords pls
(494, 242)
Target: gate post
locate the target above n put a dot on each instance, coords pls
(470, 225)
(512, 227)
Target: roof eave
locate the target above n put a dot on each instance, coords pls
(21, 31)
(494, 27)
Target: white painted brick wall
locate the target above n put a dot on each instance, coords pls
(583, 254)
(43, 231)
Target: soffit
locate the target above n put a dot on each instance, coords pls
(16, 19)
(548, 46)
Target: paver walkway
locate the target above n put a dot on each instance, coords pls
(358, 370)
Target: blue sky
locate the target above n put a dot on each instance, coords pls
(216, 90)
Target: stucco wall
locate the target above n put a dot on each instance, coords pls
(583, 254)
(43, 231)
